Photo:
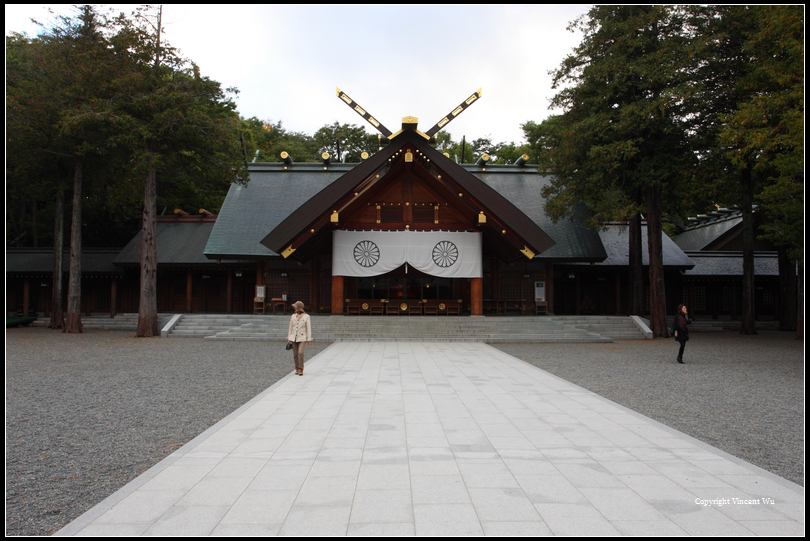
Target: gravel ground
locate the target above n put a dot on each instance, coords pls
(87, 413)
(742, 394)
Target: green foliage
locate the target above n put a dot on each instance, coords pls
(748, 111)
(106, 90)
(500, 153)
(623, 126)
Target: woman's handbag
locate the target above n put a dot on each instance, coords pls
(289, 346)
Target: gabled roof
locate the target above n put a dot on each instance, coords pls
(705, 232)
(314, 214)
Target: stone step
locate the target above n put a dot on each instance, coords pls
(425, 328)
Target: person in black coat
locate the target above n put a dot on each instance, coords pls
(680, 330)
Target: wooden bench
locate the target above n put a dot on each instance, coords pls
(430, 308)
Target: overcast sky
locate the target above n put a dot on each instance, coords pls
(393, 60)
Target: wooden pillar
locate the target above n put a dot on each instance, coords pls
(550, 288)
(577, 298)
(26, 296)
(477, 296)
(113, 296)
(337, 295)
(188, 291)
(229, 302)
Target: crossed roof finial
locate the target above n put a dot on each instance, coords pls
(387, 133)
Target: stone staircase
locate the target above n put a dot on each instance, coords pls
(103, 321)
(327, 328)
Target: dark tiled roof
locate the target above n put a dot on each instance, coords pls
(40, 261)
(250, 212)
(615, 238)
(700, 235)
(522, 186)
(178, 243)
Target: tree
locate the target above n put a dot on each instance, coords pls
(767, 131)
(619, 146)
(345, 142)
(748, 115)
(57, 97)
(179, 124)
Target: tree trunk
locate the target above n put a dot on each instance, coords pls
(658, 304)
(787, 291)
(147, 310)
(57, 313)
(74, 315)
(636, 268)
(147, 307)
(748, 315)
(800, 298)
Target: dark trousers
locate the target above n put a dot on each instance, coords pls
(680, 352)
(298, 354)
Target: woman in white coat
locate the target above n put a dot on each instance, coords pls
(299, 333)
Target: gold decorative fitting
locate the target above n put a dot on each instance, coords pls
(482, 218)
(403, 306)
(286, 253)
(334, 217)
(408, 157)
(364, 155)
(527, 252)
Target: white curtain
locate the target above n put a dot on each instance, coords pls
(445, 254)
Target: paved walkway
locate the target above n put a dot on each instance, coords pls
(404, 438)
